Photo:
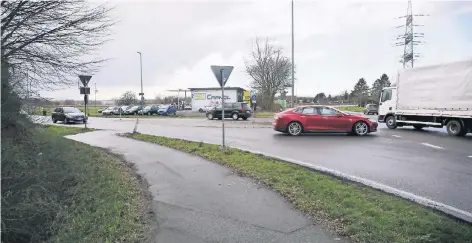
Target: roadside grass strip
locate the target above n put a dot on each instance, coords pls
(357, 212)
(58, 190)
(66, 130)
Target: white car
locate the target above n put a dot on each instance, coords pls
(206, 108)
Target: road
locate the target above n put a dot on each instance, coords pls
(427, 163)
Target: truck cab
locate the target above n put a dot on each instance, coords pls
(387, 106)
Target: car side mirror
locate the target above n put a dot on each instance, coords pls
(339, 114)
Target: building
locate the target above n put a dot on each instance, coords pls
(202, 97)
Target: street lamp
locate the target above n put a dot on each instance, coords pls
(293, 63)
(141, 67)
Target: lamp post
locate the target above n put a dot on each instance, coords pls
(293, 63)
(141, 67)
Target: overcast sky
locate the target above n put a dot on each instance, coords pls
(336, 42)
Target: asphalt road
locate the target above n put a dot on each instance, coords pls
(427, 163)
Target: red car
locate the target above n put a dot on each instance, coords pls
(317, 118)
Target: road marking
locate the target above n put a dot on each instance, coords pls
(432, 146)
(470, 156)
(397, 136)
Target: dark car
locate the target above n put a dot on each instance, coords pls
(371, 109)
(133, 110)
(315, 118)
(234, 110)
(149, 110)
(67, 115)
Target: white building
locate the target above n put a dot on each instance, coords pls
(202, 97)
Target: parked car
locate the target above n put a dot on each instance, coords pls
(371, 109)
(167, 110)
(108, 111)
(103, 108)
(149, 110)
(233, 110)
(315, 118)
(68, 115)
(187, 107)
(124, 108)
(206, 108)
(133, 110)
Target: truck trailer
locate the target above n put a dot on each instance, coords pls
(433, 96)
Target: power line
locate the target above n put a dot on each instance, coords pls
(410, 38)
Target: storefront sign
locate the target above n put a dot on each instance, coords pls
(198, 96)
(216, 97)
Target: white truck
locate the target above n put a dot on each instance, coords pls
(433, 96)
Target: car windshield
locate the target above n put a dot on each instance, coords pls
(71, 110)
(147, 107)
(244, 105)
(134, 107)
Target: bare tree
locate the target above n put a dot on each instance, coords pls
(270, 71)
(128, 98)
(50, 42)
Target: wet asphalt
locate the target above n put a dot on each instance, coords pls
(199, 201)
(427, 163)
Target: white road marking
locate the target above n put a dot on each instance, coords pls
(397, 136)
(470, 156)
(432, 146)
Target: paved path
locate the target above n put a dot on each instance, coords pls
(200, 201)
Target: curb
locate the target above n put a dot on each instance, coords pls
(449, 210)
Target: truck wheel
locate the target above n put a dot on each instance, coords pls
(418, 127)
(391, 123)
(455, 128)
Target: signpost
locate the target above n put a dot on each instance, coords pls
(85, 90)
(222, 74)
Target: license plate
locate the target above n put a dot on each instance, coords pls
(79, 119)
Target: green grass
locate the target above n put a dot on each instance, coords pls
(264, 114)
(362, 214)
(350, 108)
(63, 130)
(58, 190)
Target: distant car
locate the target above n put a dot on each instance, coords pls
(68, 115)
(133, 110)
(108, 111)
(315, 118)
(233, 110)
(149, 110)
(371, 109)
(102, 109)
(124, 108)
(167, 110)
(206, 108)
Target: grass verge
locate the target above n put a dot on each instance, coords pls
(350, 108)
(58, 190)
(362, 214)
(64, 131)
(264, 114)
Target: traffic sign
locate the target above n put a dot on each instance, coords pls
(222, 73)
(85, 79)
(253, 98)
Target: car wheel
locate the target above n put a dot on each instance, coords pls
(200, 110)
(294, 128)
(235, 116)
(244, 118)
(391, 123)
(85, 121)
(210, 116)
(54, 120)
(66, 121)
(418, 127)
(361, 128)
(455, 128)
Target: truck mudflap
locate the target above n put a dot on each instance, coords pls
(381, 118)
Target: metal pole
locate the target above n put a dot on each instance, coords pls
(293, 62)
(223, 105)
(85, 104)
(141, 67)
(95, 94)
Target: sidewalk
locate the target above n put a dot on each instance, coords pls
(200, 201)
